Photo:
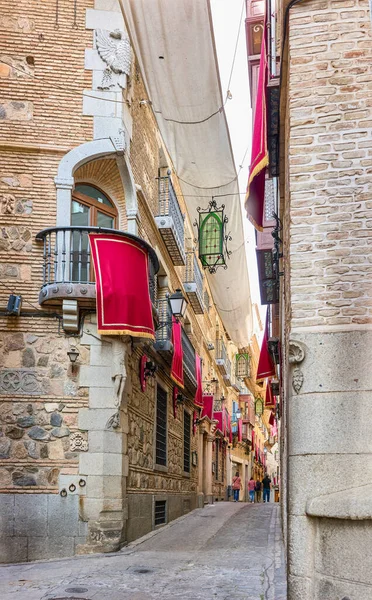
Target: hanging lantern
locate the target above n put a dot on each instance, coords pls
(259, 407)
(212, 238)
(242, 369)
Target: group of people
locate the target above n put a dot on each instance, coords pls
(255, 487)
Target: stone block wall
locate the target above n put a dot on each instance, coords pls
(327, 217)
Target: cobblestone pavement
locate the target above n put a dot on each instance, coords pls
(224, 551)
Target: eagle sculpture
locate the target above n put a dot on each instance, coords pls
(114, 49)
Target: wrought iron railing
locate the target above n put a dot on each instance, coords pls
(218, 405)
(164, 331)
(193, 274)
(189, 361)
(168, 206)
(67, 258)
(221, 353)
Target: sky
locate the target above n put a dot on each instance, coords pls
(226, 20)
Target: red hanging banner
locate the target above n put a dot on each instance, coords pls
(177, 360)
(255, 196)
(122, 286)
(240, 430)
(198, 400)
(266, 366)
(208, 400)
(269, 398)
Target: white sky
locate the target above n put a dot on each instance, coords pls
(226, 18)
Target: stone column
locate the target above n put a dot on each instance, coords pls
(105, 465)
(208, 443)
(200, 493)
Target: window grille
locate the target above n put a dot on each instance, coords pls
(161, 427)
(186, 441)
(160, 512)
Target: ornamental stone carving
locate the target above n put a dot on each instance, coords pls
(19, 382)
(114, 49)
(296, 352)
(295, 356)
(78, 443)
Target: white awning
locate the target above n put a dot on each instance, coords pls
(184, 89)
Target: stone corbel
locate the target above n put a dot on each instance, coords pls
(70, 312)
(296, 355)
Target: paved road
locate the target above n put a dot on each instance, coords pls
(225, 551)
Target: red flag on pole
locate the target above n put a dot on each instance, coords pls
(122, 286)
(255, 196)
(266, 366)
(177, 360)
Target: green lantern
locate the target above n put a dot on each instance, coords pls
(259, 407)
(242, 366)
(212, 239)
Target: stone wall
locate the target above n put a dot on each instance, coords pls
(328, 216)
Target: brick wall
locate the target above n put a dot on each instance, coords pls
(329, 163)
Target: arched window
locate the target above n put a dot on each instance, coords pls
(90, 207)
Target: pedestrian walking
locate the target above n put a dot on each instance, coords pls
(257, 489)
(266, 484)
(236, 486)
(251, 486)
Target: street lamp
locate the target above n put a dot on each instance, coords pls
(238, 414)
(178, 304)
(73, 355)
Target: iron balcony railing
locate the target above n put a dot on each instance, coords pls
(67, 265)
(222, 360)
(189, 361)
(163, 334)
(194, 282)
(170, 220)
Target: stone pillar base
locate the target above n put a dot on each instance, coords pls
(200, 500)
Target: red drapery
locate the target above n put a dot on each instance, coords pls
(271, 419)
(207, 411)
(255, 197)
(177, 359)
(265, 364)
(122, 286)
(253, 440)
(219, 416)
(198, 400)
(240, 430)
(269, 398)
(229, 428)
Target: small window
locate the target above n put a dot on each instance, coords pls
(161, 427)
(186, 441)
(160, 517)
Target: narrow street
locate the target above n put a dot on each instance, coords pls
(224, 551)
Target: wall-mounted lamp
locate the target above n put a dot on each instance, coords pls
(14, 305)
(73, 355)
(238, 414)
(148, 369)
(178, 304)
(180, 398)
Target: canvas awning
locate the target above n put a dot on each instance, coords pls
(184, 89)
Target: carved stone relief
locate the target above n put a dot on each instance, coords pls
(19, 382)
(114, 49)
(78, 443)
(296, 355)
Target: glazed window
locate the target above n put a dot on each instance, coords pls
(90, 207)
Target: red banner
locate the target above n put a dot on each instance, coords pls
(266, 366)
(253, 440)
(269, 398)
(208, 400)
(198, 400)
(240, 430)
(229, 428)
(255, 197)
(177, 360)
(122, 286)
